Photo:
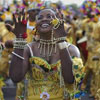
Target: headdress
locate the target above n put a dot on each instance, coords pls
(35, 4)
(7, 16)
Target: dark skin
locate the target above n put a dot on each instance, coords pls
(19, 67)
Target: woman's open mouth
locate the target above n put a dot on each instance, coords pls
(45, 25)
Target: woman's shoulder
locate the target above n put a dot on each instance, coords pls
(73, 50)
(30, 45)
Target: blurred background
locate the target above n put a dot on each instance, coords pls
(83, 19)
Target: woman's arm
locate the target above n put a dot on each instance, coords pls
(66, 54)
(18, 66)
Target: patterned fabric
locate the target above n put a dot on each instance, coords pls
(1, 85)
(93, 66)
(44, 80)
(4, 68)
(78, 71)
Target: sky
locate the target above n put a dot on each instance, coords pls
(78, 2)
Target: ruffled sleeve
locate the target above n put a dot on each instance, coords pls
(74, 90)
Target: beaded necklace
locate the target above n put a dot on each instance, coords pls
(50, 44)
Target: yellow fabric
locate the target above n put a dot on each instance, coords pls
(84, 23)
(79, 72)
(5, 34)
(1, 95)
(93, 46)
(98, 94)
(4, 68)
(4, 58)
(96, 30)
(95, 86)
(40, 81)
(8, 36)
(4, 62)
(69, 37)
(1, 85)
(7, 16)
(3, 30)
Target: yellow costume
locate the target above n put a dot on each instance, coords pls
(1, 85)
(4, 68)
(5, 34)
(45, 80)
(95, 88)
(4, 58)
(7, 16)
(69, 30)
(88, 26)
(92, 47)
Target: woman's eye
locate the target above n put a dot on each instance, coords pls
(49, 16)
(39, 18)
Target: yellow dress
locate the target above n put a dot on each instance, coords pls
(5, 34)
(4, 57)
(95, 86)
(4, 68)
(45, 80)
(89, 27)
(1, 85)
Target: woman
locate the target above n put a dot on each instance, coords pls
(47, 61)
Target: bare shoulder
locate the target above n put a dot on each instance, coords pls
(30, 45)
(74, 51)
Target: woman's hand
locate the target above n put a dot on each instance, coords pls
(59, 30)
(9, 25)
(9, 44)
(20, 22)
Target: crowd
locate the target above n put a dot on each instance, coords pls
(50, 50)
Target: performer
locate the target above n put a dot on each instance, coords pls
(5, 56)
(52, 64)
(90, 64)
(95, 86)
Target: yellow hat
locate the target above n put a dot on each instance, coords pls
(12, 8)
(35, 4)
(7, 16)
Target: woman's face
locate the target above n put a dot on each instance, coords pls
(32, 14)
(44, 21)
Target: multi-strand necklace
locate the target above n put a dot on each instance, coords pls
(49, 46)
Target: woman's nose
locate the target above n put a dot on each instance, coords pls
(44, 18)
